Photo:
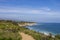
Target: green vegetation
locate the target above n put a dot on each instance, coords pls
(9, 30)
(9, 35)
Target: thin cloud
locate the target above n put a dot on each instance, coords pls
(44, 11)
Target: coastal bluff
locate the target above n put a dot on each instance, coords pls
(26, 23)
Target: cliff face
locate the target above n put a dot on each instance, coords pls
(26, 24)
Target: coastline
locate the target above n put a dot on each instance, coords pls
(15, 28)
(45, 28)
(42, 32)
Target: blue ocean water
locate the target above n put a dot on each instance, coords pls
(53, 28)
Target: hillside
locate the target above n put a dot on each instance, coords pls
(9, 30)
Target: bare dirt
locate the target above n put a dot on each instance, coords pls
(26, 36)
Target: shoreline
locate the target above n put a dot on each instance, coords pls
(41, 31)
(45, 33)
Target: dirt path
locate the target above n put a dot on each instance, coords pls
(26, 36)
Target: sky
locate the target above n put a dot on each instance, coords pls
(30, 10)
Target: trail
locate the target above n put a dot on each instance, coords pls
(26, 36)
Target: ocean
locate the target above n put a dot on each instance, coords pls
(53, 28)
